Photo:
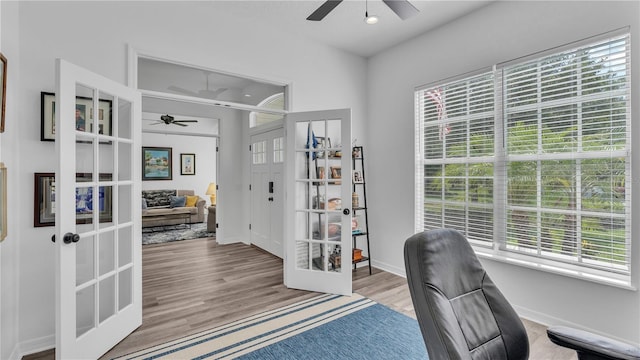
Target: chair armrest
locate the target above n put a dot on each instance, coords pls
(592, 346)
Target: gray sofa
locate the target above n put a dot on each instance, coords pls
(158, 210)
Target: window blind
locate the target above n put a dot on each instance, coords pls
(456, 162)
(533, 157)
(567, 130)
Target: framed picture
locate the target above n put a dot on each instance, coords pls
(156, 163)
(84, 116)
(84, 200)
(3, 202)
(187, 164)
(44, 213)
(358, 177)
(44, 208)
(3, 90)
(336, 173)
(323, 143)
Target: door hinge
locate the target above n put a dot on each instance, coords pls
(249, 147)
(249, 187)
(217, 149)
(217, 225)
(249, 226)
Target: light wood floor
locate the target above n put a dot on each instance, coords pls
(195, 285)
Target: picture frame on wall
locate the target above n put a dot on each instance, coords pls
(44, 213)
(3, 90)
(84, 116)
(156, 163)
(187, 164)
(44, 207)
(3, 201)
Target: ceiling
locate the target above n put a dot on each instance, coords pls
(344, 28)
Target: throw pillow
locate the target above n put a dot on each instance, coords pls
(144, 203)
(191, 200)
(178, 201)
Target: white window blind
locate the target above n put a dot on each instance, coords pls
(456, 156)
(533, 157)
(567, 146)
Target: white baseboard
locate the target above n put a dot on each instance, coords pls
(34, 346)
(389, 268)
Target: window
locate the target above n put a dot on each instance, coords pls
(540, 169)
(259, 152)
(278, 150)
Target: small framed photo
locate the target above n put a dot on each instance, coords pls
(156, 163)
(323, 143)
(84, 116)
(3, 202)
(358, 177)
(336, 173)
(44, 208)
(187, 164)
(3, 90)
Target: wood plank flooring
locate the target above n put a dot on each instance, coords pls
(194, 285)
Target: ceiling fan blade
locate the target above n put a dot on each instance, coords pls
(177, 123)
(323, 10)
(185, 121)
(403, 8)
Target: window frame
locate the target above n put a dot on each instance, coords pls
(497, 249)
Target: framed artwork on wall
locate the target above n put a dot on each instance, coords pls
(3, 90)
(187, 164)
(156, 163)
(44, 208)
(84, 116)
(3, 201)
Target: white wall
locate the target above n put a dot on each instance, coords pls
(205, 150)
(95, 35)
(502, 31)
(9, 248)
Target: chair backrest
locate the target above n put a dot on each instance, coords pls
(462, 314)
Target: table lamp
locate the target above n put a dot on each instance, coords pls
(211, 191)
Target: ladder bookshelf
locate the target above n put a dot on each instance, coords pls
(360, 229)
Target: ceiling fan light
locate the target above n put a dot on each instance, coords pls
(370, 19)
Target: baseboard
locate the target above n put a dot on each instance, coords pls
(389, 268)
(15, 354)
(546, 320)
(35, 345)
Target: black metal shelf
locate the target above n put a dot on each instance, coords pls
(358, 165)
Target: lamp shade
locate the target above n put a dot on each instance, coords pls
(211, 191)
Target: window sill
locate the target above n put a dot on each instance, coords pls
(593, 275)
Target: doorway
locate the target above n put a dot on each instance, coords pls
(267, 191)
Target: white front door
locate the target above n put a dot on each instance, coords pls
(97, 207)
(318, 201)
(267, 190)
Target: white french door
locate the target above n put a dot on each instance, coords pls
(318, 204)
(97, 206)
(267, 191)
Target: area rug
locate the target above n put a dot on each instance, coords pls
(325, 327)
(163, 234)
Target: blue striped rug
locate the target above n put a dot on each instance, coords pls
(325, 327)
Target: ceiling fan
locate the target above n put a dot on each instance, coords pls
(402, 8)
(206, 93)
(168, 120)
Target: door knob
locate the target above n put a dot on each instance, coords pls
(270, 199)
(68, 238)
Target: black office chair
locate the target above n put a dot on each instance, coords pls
(463, 315)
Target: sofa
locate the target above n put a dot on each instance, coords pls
(171, 207)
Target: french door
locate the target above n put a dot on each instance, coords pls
(318, 205)
(97, 212)
(267, 191)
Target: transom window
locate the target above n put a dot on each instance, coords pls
(534, 156)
